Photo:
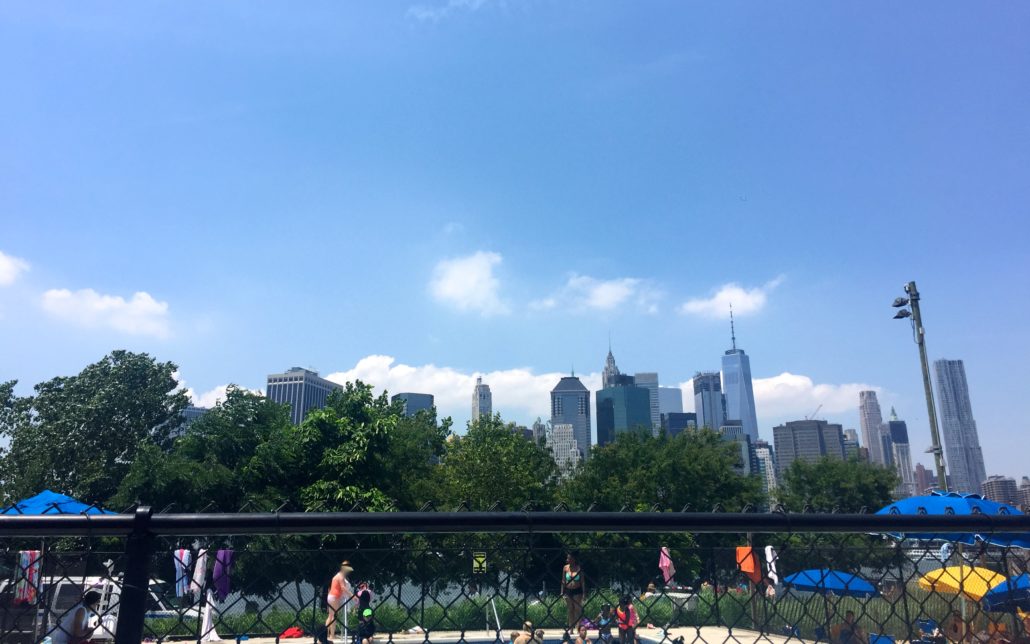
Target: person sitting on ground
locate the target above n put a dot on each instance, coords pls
(525, 636)
(955, 628)
(366, 627)
(652, 590)
(582, 636)
(848, 632)
(604, 623)
(78, 624)
(626, 616)
(514, 636)
(538, 636)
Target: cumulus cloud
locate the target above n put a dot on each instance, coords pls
(469, 284)
(518, 394)
(439, 11)
(583, 292)
(11, 268)
(745, 301)
(139, 315)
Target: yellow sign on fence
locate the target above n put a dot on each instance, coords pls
(478, 563)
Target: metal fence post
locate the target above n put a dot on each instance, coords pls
(136, 583)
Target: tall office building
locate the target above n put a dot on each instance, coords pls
(301, 389)
(709, 403)
(670, 400)
(675, 423)
(413, 403)
(570, 405)
(808, 440)
(1023, 495)
(540, 430)
(649, 380)
(482, 401)
(188, 416)
(566, 451)
(872, 426)
(902, 456)
(1001, 489)
(925, 479)
(622, 407)
(766, 464)
(611, 371)
(852, 448)
(965, 458)
(737, 387)
(748, 463)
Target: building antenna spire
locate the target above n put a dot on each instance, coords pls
(733, 330)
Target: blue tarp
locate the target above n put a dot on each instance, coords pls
(830, 581)
(47, 502)
(943, 503)
(1009, 595)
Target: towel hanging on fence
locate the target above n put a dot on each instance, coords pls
(27, 576)
(199, 574)
(182, 558)
(748, 564)
(223, 565)
(770, 560)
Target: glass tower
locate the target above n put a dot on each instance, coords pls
(961, 440)
(570, 405)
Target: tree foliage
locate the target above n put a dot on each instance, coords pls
(847, 486)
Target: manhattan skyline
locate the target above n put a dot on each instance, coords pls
(409, 193)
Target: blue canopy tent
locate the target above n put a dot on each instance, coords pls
(830, 581)
(1009, 595)
(47, 502)
(943, 503)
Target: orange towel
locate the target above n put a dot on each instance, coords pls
(748, 563)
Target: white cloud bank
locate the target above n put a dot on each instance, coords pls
(583, 292)
(745, 301)
(518, 394)
(794, 396)
(139, 315)
(11, 268)
(469, 284)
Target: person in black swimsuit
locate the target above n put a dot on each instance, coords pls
(573, 589)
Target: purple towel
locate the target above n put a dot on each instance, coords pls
(223, 564)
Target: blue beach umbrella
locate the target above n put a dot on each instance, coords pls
(47, 502)
(1009, 595)
(830, 581)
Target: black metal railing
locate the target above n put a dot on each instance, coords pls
(470, 576)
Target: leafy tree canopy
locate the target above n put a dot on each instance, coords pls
(848, 486)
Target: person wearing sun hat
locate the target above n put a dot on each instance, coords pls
(340, 592)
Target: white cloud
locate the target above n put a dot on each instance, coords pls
(11, 268)
(791, 396)
(518, 394)
(744, 301)
(437, 12)
(140, 315)
(582, 292)
(469, 284)
(209, 398)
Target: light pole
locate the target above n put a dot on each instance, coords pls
(920, 339)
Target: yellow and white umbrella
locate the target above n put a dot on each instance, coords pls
(971, 581)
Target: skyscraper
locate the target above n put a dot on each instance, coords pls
(675, 423)
(649, 380)
(872, 426)
(1001, 489)
(965, 459)
(852, 447)
(925, 479)
(766, 464)
(611, 371)
(737, 387)
(902, 456)
(622, 407)
(566, 451)
(413, 403)
(301, 389)
(709, 403)
(809, 440)
(482, 400)
(670, 400)
(570, 405)
(748, 463)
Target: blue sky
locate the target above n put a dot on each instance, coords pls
(414, 192)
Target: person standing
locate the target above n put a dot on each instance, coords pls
(340, 592)
(78, 624)
(626, 616)
(573, 589)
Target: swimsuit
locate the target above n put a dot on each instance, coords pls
(573, 576)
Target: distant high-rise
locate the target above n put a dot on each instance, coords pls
(566, 451)
(482, 401)
(766, 464)
(189, 415)
(709, 403)
(670, 400)
(1023, 494)
(413, 403)
(1001, 489)
(675, 423)
(851, 434)
(649, 380)
(570, 405)
(808, 440)
(925, 479)
(872, 426)
(540, 430)
(622, 407)
(737, 387)
(902, 457)
(301, 389)
(965, 458)
(611, 371)
(748, 463)
(852, 447)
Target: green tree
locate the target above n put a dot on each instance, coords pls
(847, 486)
(85, 431)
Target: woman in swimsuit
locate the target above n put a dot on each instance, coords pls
(573, 589)
(339, 594)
